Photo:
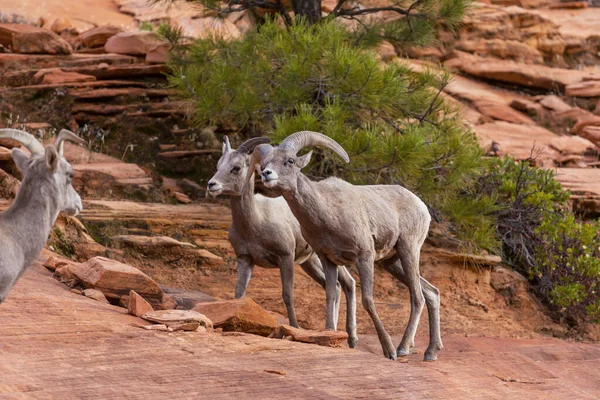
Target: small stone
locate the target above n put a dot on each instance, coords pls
(177, 317)
(182, 198)
(61, 24)
(322, 338)
(96, 295)
(137, 305)
(97, 37)
(159, 54)
(158, 327)
(53, 262)
(76, 291)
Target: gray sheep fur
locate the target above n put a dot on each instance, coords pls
(45, 191)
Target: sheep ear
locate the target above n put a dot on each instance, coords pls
(304, 160)
(52, 158)
(21, 159)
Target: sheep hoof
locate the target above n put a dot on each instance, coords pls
(402, 353)
(430, 356)
(352, 342)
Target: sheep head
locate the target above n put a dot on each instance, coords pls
(233, 168)
(281, 165)
(46, 169)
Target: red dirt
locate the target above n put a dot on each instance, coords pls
(56, 344)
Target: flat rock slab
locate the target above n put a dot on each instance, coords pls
(321, 338)
(177, 317)
(108, 356)
(151, 241)
(517, 140)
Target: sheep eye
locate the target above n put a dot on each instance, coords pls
(235, 169)
(291, 161)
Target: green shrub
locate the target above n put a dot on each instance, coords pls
(541, 238)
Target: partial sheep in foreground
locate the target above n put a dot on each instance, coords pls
(347, 224)
(45, 191)
(264, 232)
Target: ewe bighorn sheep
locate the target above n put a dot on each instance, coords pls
(264, 232)
(348, 224)
(45, 191)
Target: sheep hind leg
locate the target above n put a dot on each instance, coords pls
(287, 285)
(366, 270)
(314, 269)
(432, 298)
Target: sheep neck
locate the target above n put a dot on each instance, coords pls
(31, 217)
(304, 202)
(243, 207)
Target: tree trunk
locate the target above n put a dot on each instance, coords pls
(309, 9)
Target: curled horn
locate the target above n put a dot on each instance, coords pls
(226, 145)
(259, 152)
(299, 140)
(26, 139)
(249, 145)
(63, 135)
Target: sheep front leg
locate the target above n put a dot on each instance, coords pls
(244, 271)
(287, 285)
(331, 292)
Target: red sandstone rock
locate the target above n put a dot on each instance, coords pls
(137, 305)
(133, 43)
(321, 338)
(29, 39)
(241, 315)
(116, 279)
(56, 76)
(98, 36)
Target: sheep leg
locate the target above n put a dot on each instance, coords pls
(331, 282)
(244, 271)
(410, 272)
(314, 269)
(432, 299)
(287, 285)
(366, 273)
(349, 285)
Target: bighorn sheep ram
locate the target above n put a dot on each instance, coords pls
(45, 191)
(348, 224)
(264, 232)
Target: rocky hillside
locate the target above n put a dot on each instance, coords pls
(525, 81)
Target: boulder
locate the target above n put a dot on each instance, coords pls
(28, 39)
(517, 140)
(134, 43)
(52, 263)
(529, 75)
(591, 133)
(56, 76)
(178, 318)
(529, 107)
(96, 295)
(554, 103)
(159, 54)
(240, 315)
(572, 144)
(61, 24)
(505, 49)
(116, 279)
(203, 28)
(321, 338)
(137, 305)
(97, 37)
(584, 89)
